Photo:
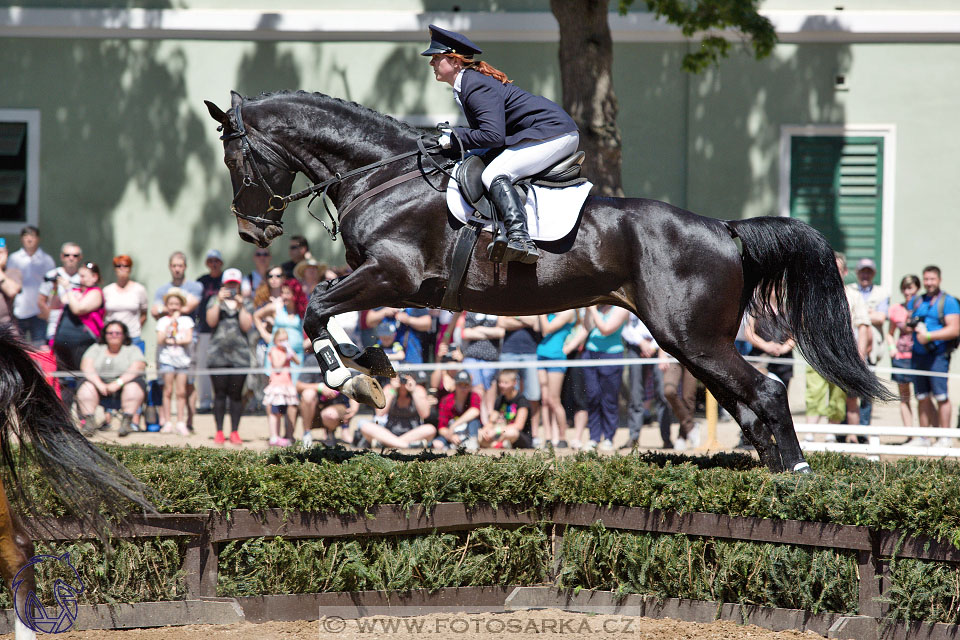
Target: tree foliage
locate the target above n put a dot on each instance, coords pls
(708, 17)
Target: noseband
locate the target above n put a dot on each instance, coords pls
(274, 202)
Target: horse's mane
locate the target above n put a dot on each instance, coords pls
(322, 100)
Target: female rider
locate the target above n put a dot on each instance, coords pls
(532, 133)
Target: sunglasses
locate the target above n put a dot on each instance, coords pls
(261, 254)
(114, 333)
(69, 255)
(296, 246)
(122, 266)
(274, 275)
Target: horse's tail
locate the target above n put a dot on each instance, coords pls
(87, 481)
(792, 261)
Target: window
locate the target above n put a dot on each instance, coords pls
(19, 168)
(835, 181)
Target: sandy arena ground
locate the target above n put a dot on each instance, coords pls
(529, 624)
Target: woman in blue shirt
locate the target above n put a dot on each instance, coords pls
(554, 327)
(532, 133)
(603, 382)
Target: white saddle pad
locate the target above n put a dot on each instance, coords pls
(551, 213)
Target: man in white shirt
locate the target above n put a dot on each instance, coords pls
(51, 298)
(33, 263)
(877, 300)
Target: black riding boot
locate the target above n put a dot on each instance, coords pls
(516, 246)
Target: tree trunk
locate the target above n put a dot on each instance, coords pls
(586, 72)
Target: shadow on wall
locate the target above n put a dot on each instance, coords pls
(117, 105)
(263, 69)
(736, 113)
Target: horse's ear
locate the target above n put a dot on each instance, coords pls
(215, 112)
(235, 98)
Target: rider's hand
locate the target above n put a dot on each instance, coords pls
(444, 141)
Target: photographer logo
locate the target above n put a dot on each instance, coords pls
(33, 614)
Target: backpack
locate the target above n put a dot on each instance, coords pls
(941, 302)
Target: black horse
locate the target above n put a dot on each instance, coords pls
(681, 273)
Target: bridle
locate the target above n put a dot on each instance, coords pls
(279, 203)
(274, 202)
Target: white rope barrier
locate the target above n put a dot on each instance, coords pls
(523, 364)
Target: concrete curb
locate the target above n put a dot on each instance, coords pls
(146, 614)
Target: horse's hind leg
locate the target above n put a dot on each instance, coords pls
(754, 430)
(758, 403)
(16, 549)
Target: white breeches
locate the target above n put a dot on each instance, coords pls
(530, 157)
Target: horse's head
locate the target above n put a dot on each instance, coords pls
(258, 172)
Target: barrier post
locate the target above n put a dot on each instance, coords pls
(709, 442)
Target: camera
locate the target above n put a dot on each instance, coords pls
(50, 276)
(913, 321)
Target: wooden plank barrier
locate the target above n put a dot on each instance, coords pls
(207, 531)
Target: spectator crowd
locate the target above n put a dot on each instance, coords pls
(249, 328)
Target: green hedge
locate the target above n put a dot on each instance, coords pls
(919, 497)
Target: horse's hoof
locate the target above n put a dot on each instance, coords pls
(365, 390)
(375, 361)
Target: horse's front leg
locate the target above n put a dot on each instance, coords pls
(362, 289)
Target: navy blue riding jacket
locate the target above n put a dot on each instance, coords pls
(501, 115)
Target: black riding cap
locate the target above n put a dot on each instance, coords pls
(443, 41)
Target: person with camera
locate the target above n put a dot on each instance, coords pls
(229, 316)
(900, 342)
(400, 424)
(51, 297)
(935, 317)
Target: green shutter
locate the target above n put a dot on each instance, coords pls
(836, 185)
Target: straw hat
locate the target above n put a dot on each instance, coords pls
(176, 292)
(303, 265)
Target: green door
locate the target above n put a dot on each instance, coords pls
(836, 186)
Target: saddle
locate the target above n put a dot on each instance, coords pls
(565, 173)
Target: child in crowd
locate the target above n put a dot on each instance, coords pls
(386, 338)
(459, 416)
(508, 426)
(174, 336)
(280, 395)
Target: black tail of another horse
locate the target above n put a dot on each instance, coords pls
(87, 481)
(794, 262)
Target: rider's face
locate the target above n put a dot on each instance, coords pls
(445, 68)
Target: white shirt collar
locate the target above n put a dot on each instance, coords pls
(456, 82)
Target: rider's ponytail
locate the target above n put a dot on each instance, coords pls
(483, 67)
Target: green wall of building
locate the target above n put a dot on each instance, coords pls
(131, 162)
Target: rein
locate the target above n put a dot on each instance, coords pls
(279, 203)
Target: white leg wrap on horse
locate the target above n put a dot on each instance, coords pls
(801, 466)
(338, 334)
(336, 373)
(23, 632)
